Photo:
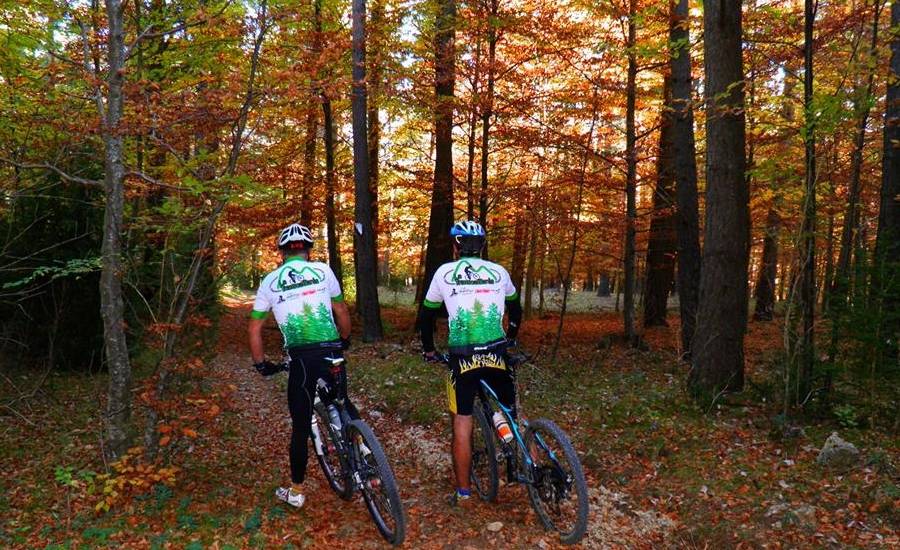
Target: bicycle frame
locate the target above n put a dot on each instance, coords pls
(491, 395)
(344, 446)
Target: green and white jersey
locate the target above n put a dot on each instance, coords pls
(475, 292)
(300, 294)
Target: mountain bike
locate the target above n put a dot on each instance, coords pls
(352, 458)
(539, 455)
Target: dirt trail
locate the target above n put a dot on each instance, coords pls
(421, 463)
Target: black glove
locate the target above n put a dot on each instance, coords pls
(267, 368)
(345, 343)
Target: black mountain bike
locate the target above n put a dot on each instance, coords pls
(537, 453)
(352, 458)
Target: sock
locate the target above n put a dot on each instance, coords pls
(295, 489)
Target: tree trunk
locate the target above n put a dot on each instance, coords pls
(473, 126)
(112, 308)
(363, 235)
(309, 161)
(805, 352)
(375, 52)
(440, 248)
(630, 178)
(486, 114)
(520, 249)
(590, 280)
(862, 107)
(829, 264)
(334, 252)
(567, 282)
(685, 167)
(661, 247)
(603, 287)
(529, 274)
(718, 345)
(768, 269)
(886, 280)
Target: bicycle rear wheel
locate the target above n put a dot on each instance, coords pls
(379, 487)
(334, 463)
(483, 470)
(558, 491)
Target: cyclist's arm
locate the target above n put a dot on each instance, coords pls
(341, 317)
(261, 307)
(429, 317)
(430, 306)
(254, 330)
(514, 308)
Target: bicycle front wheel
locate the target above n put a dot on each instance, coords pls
(379, 486)
(558, 491)
(483, 470)
(331, 459)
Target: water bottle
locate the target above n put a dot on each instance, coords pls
(502, 426)
(334, 416)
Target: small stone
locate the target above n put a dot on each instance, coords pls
(389, 383)
(495, 526)
(837, 453)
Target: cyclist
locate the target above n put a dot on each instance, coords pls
(476, 292)
(310, 311)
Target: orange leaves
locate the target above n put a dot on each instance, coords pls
(131, 476)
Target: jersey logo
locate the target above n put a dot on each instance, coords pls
(466, 274)
(290, 278)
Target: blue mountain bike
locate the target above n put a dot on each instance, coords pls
(539, 455)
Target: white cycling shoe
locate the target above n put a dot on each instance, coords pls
(285, 494)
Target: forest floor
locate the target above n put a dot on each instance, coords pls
(661, 472)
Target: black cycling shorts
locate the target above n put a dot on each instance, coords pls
(466, 374)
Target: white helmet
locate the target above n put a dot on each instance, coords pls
(295, 233)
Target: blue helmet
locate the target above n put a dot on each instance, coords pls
(467, 228)
(469, 237)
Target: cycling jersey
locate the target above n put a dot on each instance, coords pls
(300, 293)
(474, 291)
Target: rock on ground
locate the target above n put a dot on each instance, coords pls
(837, 453)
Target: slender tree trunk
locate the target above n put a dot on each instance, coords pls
(886, 280)
(520, 249)
(567, 282)
(850, 230)
(718, 345)
(375, 51)
(309, 163)
(112, 308)
(662, 243)
(765, 282)
(440, 248)
(470, 167)
(807, 246)
(530, 273)
(486, 113)
(768, 269)
(829, 264)
(473, 126)
(630, 178)
(685, 168)
(365, 262)
(334, 253)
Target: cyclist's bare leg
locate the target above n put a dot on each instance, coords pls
(462, 449)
